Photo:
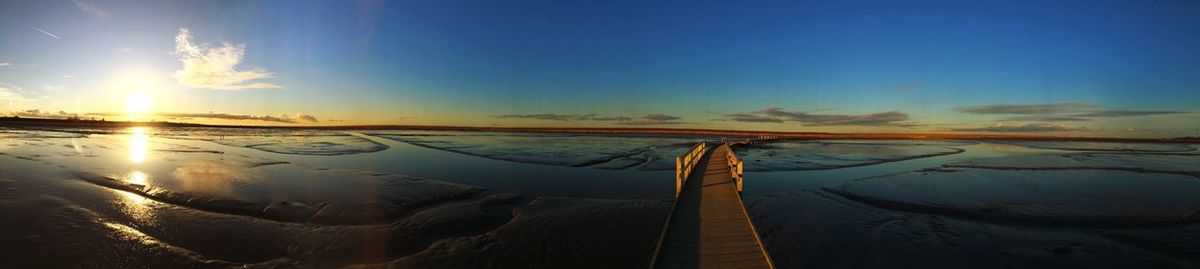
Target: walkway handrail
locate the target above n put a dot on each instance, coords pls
(684, 164)
(735, 168)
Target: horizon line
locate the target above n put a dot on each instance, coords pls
(8, 121)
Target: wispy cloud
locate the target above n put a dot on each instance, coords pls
(777, 115)
(651, 119)
(547, 116)
(1126, 113)
(305, 117)
(661, 117)
(748, 117)
(3, 64)
(654, 119)
(608, 118)
(91, 8)
(1074, 111)
(1033, 109)
(44, 32)
(215, 68)
(1027, 128)
(10, 96)
(1044, 118)
(52, 88)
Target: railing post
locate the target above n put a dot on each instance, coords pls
(678, 176)
(686, 160)
(740, 177)
(685, 163)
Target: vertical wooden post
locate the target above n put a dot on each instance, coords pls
(678, 176)
(740, 177)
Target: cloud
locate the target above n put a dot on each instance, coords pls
(563, 117)
(1126, 113)
(654, 119)
(1045, 118)
(1074, 111)
(746, 117)
(651, 119)
(10, 95)
(617, 118)
(90, 8)
(214, 68)
(44, 32)
(2, 64)
(306, 117)
(546, 116)
(661, 117)
(1034, 109)
(37, 113)
(777, 115)
(1027, 128)
(281, 118)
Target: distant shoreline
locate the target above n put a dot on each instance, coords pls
(41, 122)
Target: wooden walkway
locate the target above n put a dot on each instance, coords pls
(708, 226)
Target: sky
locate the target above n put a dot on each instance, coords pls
(1078, 68)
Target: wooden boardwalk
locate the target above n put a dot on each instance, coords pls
(708, 226)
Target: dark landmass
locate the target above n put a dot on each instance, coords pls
(74, 123)
(82, 123)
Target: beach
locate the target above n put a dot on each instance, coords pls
(320, 198)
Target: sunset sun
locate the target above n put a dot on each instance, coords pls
(138, 103)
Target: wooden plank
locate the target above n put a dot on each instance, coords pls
(708, 226)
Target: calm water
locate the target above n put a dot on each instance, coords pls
(273, 198)
(548, 180)
(533, 179)
(771, 182)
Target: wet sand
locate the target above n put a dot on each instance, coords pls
(205, 197)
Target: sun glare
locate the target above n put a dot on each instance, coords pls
(138, 103)
(138, 145)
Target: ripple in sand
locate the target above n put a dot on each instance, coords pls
(605, 152)
(817, 155)
(1073, 198)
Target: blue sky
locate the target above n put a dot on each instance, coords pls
(1105, 68)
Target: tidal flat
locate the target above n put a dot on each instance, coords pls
(295, 198)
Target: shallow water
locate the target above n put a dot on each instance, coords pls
(533, 179)
(428, 199)
(763, 182)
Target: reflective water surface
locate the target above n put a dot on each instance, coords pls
(146, 197)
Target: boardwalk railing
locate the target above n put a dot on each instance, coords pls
(758, 139)
(708, 226)
(684, 164)
(735, 168)
(762, 139)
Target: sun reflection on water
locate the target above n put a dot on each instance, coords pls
(136, 205)
(137, 178)
(138, 145)
(75, 145)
